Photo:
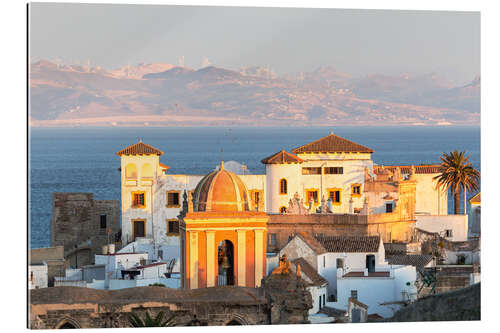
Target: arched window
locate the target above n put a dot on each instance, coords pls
(131, 171)
(283, 186)
(283, 210)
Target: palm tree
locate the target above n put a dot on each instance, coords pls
(149, 321)
(457, 173)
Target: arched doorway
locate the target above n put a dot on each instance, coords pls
(67, 323)
(233, 322)
(225, 260)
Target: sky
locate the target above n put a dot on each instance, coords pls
(288, 40)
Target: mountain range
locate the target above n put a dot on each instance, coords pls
(164, 94)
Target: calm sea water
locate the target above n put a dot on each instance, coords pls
(84, 159)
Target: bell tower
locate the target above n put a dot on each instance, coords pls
(140, 166)
(222, 239)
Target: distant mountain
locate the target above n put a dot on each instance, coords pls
(160, 94)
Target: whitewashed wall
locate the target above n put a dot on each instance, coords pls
(439, 224)
(373, 291)
(475, 220)
(316, 292)
(429, 199)
(352, 261)
(40, 276)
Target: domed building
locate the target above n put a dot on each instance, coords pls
(222, 240)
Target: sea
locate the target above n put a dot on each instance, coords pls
(84, 159)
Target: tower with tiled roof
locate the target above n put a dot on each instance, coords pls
(140, 166)
(283, 175)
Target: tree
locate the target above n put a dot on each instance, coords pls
(457, 173)
(149, 321)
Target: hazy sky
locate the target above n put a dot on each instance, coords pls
(288, 40)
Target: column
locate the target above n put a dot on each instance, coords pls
(241, 257)
(259, 256)
(210, 258)
(193, 259)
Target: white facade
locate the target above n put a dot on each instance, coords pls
(327, 264)
(38, 276)
(475, 220)
(452, 227)
(353, 170)
(318, 294)
(116, 262)
(398, 286)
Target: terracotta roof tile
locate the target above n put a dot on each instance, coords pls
(164, 166)
(406, 169)
(332, 144)
(349, 244)
(476, 199)
(417, 260)
(140, 148)
(310, 272)
(282, 157)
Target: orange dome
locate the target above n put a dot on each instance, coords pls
(220, 190)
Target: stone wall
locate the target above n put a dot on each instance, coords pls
(283, 301)
(76, 224)
(462, 304)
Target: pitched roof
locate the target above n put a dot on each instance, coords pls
(406, 169)
(476, 199)
(332, 144)
(140, 148)
(310, 272)
(311, 242)
(339, 244)
(282, 157)
(417, 260)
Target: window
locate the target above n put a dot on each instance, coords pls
(340, 263)
(334, 171)
(388, 207)
(334, 194)
(138, 199)
(139, 229)
(324, 299)
(311, 194)
(356, 190)
(354, 294)
(173, 199)
(283, 186)
(324, 261)
(311, 171)
(272, 240)
(283, 210)
(320, 301)
(103, 221)
(172, 227)
(256, 197)
(449, 233)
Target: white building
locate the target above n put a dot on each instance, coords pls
(384, 290)
(451, 227)
(327, 254)
(38, 276)
(316, 284)
(116, 262)
(332, 168)
(475, 216)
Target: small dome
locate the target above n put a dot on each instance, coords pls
(220, 190)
